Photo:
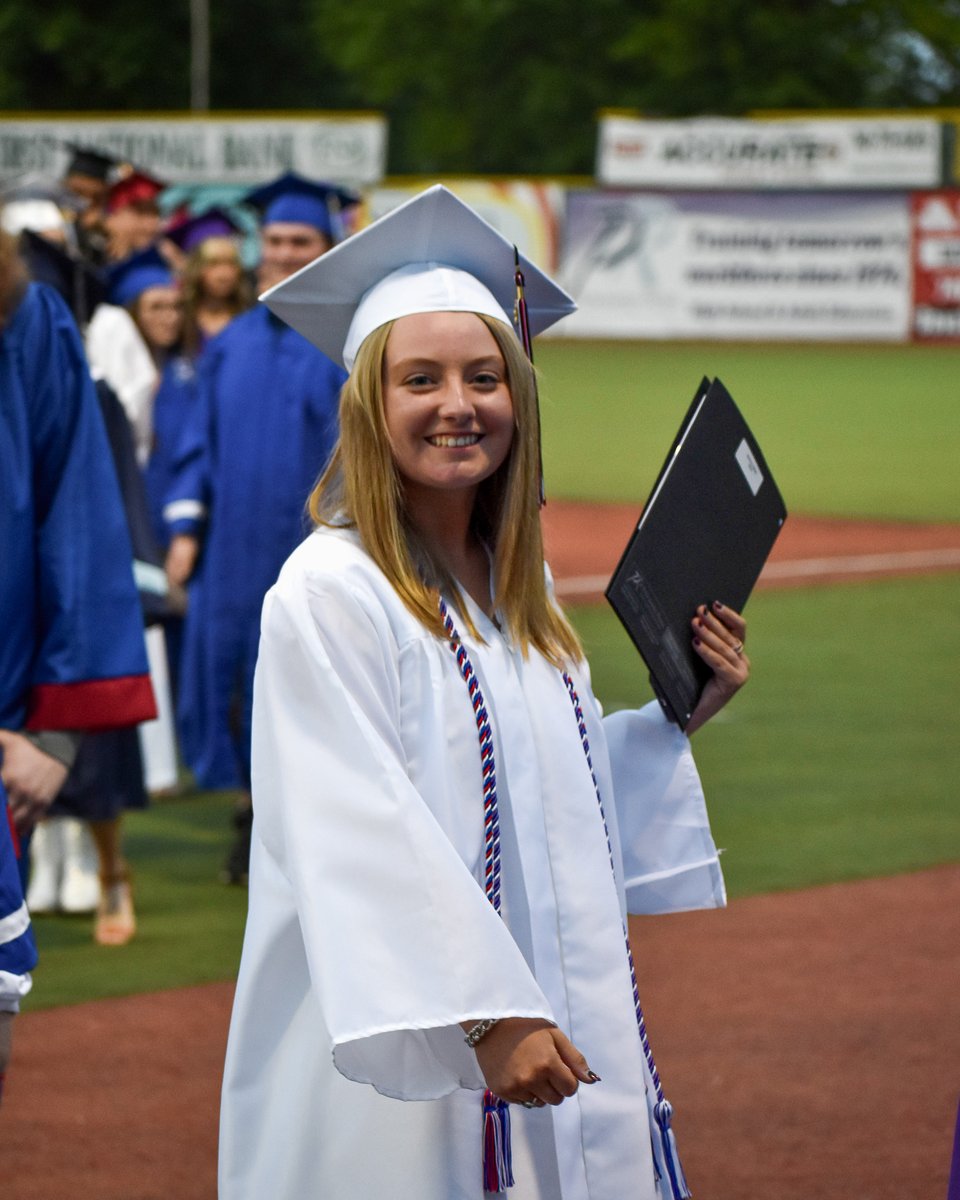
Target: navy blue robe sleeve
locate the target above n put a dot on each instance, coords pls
(72, 652)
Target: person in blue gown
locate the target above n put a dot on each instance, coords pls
(174, 473)
(272, 406)
(72, 654)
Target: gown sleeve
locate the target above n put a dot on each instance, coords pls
(670, 862)
(90, 668)
(18, 951)
(400, 941)
(186, 494)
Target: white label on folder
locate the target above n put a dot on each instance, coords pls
(748, 465)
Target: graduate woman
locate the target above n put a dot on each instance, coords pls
(436, 999)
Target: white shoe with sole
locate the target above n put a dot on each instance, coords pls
(46, 866)
(80, 883)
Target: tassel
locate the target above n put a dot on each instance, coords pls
(497, 1164)
(668, 1156)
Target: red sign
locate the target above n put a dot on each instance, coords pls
(936, 264)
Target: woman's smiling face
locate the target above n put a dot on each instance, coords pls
(447, 404)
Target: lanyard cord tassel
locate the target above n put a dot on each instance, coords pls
(497, 1164)
(522, 321)
(666, 1157)
(497, 1157)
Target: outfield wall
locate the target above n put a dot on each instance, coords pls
(744, 265)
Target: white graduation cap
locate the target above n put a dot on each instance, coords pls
(432, 254)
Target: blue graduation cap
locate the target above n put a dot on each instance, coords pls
(130, 278)
(302, 201)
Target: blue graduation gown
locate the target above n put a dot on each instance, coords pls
(272, 401)
(174, 474)
(72, 653)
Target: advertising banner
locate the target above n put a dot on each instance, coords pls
(717, 153)
(341, 147)
(936, 265)
(529, 214)
(728, 265)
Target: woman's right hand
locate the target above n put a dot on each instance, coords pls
(529, 1061)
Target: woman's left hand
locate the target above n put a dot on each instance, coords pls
(31, 777)
(718, 637)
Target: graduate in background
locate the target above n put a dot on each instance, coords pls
(447, 833)
(72, 654)
(88, 175)
(132, 217)
(152, 294)
(271, 399)
(76, 859)
(215, 285)
(175, 473)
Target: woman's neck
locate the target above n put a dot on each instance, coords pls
(215, 305)
(444, 524)
(212, 316)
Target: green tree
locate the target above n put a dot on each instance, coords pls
(691, 56)
(487, 86)
(515, 85)
(478, 85)
(125, 55)
(94, 54)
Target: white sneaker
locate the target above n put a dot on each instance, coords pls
(46, 866)
(80, 884)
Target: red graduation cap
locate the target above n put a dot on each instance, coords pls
(135, 188)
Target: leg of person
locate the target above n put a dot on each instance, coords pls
(116, 921)
(237, 865)
(6, 1038)
(80, 881)
(46, 866)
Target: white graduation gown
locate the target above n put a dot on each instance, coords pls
(369, 937)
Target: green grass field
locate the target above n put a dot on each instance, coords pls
(851, 430)
(839, 761)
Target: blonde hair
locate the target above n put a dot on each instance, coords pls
(210, 250)
(361, 488)
(13, 277)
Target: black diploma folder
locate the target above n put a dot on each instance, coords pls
(704, 535)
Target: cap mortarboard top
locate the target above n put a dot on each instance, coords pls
(91, 163)
(189, 233)
(432, 254)
(130, 278)
(295, 199)
(34, 202)
(35, 186)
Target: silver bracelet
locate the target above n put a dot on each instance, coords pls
(481, 1029)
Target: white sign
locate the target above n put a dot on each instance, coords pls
(825, 153)
(734, 265)
(346, 148)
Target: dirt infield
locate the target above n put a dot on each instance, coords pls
(809, 1041)
(583, 544)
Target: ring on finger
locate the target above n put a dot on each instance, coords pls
(532, 1103)
(738, 648)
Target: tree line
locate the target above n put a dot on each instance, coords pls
(486, 86)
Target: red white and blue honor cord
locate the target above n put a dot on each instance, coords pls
(497, 1169)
